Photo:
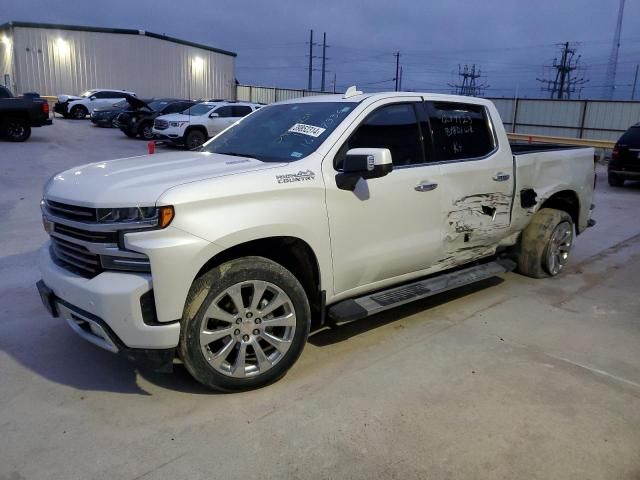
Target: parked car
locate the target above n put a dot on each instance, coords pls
(322, 209)
(19, 114)
(78, 107)
(625, 158)
(105, 116)
(195, 125)
(138, 121)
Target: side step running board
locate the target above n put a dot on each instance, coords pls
(367, 305)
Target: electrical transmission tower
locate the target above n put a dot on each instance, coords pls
(565, 82)
(468, 85)
(610, 78)
(311, 56)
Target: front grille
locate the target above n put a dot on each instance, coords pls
(161, 124)
(75, 258)
(72, 212)
(86, 235)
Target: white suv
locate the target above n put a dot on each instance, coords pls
(195, 125)
(71, 106)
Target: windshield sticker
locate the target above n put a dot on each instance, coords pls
(309, 130)
(296, 154)
(301, 176)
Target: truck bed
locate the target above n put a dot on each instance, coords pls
(520, 148)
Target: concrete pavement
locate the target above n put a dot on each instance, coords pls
(511, 378)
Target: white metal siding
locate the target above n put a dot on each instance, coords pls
(6, 58)
(52, 62)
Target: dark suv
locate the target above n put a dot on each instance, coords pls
(625, 159)
(139, 120)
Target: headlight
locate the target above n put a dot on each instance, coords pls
(177, 124)
(151, 216)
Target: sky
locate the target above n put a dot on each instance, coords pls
(511, 41)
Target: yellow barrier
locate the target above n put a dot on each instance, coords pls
(582, 142)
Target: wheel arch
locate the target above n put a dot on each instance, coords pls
(293, 253)
(567, 201)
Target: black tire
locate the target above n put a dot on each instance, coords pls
(17, 129)
(210, 287)
(130, 134)
(535, 244)
(615, 180)
(146, 131)
(78, 112)
(194, 138)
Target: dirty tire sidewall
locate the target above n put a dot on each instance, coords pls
(211, 284)
(146, 131)
(535, 241)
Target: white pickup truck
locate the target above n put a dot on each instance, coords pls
(200, 122)
(312, 211)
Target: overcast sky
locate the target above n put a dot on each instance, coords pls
(510, 40)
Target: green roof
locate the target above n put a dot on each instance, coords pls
(125, 31)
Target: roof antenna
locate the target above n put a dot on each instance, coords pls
(352, 91)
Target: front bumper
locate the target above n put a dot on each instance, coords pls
(61, 108)
(169, 136)
(626, 174)
(113, 298)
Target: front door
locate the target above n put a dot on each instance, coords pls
(389, 228)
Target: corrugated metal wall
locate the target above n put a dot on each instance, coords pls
(6, 59)
(251, 93)
(592, 119)
(52, 62)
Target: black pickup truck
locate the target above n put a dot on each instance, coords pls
(19, 114)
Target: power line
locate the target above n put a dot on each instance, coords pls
(564, 83)
(468, 86)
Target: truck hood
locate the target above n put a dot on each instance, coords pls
(140, 181)
(64, 98)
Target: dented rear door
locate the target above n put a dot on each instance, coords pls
(477, 179)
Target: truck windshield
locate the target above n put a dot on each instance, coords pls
(281, 133)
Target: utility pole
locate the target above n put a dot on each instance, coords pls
(334, 82)
(310, 61)
(400, 78)
(635, 81)
(468, 86)
(324, 58)
(610, 78)
(397, 78)
(564, 83)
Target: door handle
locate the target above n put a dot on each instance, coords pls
(425, 187)
(501, 177)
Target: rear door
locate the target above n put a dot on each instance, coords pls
(477, 179)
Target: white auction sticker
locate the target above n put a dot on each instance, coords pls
(309, 130)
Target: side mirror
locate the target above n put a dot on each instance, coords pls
(363, 163)
(92, 98)
(214, 115)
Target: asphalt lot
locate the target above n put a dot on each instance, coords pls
(514, 378)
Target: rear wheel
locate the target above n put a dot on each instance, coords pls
(546, 243)
(78, 112)
(17, 129)
(245, 324)
(615, 180)
(194, 139)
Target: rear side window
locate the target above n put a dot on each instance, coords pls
(460, 131)
(241, 110)
(225, 111)
(631, 137)
(394, 127)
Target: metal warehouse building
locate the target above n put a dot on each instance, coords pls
(54, 59)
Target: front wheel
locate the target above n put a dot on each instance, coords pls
(245, 324)
(146, 131)
(194, 139)
(546, 243)
(78, 112)
(17, 130)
